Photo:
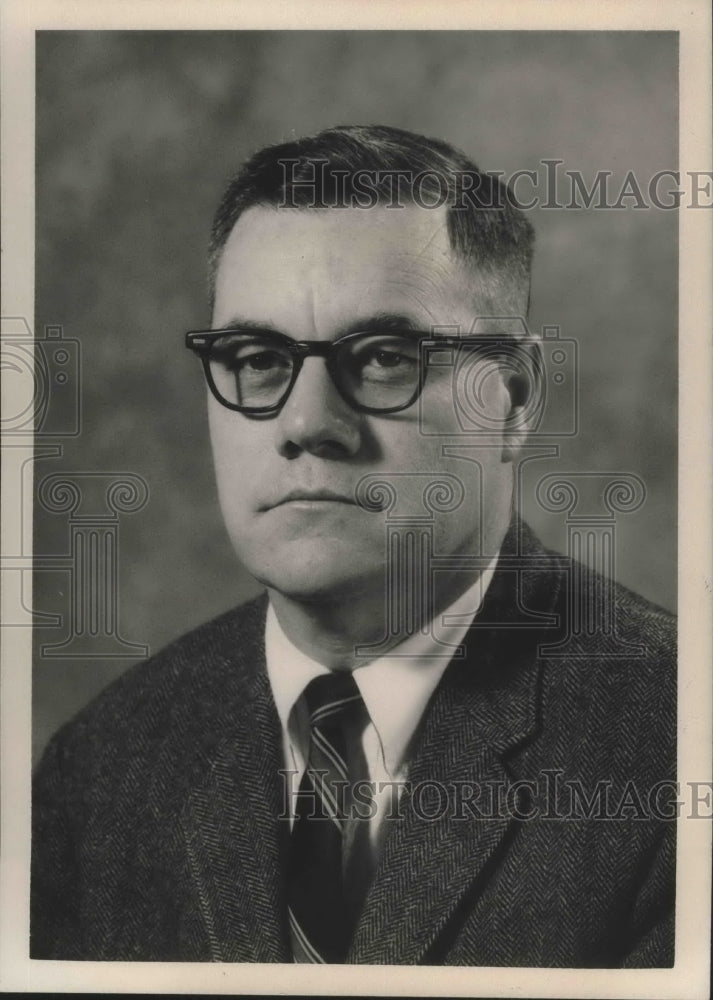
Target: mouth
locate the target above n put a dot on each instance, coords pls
(308, 497)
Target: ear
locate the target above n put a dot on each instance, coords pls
(524, 385)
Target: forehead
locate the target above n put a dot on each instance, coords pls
(321, 267)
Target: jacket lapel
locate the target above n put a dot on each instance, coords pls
(233, 834)
(484, 707)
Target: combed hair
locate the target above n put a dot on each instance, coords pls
(485, 224)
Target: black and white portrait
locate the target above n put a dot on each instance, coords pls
(350, 442)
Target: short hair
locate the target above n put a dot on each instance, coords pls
(327, 171)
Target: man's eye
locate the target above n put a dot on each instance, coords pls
(255, 360)
(388, 359)
(382, 365)
(262, 361)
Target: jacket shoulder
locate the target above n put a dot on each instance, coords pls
(179, 689)
(606, 663)
(607, 617)
(591, 615)
(609, 677)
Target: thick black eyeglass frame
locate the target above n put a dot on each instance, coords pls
(201, 343)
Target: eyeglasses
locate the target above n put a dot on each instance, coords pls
(254, 372)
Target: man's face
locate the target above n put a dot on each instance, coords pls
(287, 482)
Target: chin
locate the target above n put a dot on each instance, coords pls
(320, 580)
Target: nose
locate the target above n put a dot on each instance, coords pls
(316, 418)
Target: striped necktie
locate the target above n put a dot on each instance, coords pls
(322, 911)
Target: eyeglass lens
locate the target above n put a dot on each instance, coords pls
(378, 371)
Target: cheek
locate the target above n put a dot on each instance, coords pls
(236, 446)
(447, 479)
(433, 467)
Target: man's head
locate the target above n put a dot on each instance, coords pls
(282, 262)
(360, 166)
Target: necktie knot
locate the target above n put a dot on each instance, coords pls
(332, 699)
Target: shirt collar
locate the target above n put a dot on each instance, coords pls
(395, 687)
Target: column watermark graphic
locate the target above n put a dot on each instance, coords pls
(93, 503)
(410, 547)
(42, 418)
(591, 542)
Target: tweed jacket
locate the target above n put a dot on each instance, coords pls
(156, 829)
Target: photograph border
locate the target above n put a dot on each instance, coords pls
(690, 975)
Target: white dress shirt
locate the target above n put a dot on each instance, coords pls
(395, 688)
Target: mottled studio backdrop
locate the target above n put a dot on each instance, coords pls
(137, 133)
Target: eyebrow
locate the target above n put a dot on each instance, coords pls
(249, 325)
(381, 322)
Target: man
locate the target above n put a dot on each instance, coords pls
(389, 759)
